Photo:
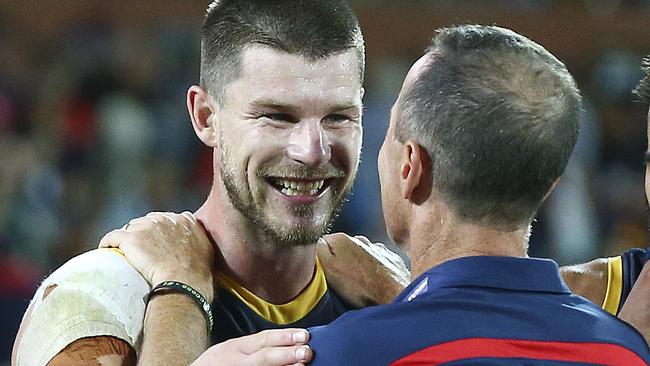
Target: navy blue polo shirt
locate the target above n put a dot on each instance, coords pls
(482, 311)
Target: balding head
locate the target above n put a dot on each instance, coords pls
(498, 116)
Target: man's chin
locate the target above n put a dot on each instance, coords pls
(296, 235)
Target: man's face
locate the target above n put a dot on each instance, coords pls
(289, 140)
(391, 159)
(388, 163)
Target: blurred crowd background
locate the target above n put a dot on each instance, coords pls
(94, 129)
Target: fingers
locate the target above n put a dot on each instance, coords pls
(280, 347)
(277, 347)
(113, 239)
(272, 338)
(280, 356)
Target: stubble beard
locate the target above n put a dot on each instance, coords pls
(280, 236)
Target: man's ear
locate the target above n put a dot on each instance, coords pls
(411, 168)
(203, 115)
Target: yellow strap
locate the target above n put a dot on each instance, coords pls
(117, 251)
(614, 285)
(282, 314)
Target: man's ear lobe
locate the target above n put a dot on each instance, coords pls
(203, 115)
(411, 169)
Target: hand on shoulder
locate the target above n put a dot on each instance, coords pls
(167, 246)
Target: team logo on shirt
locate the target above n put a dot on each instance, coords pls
(420, 288)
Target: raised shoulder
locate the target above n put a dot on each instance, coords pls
(362, 272)
(588, 279)
(94, 294)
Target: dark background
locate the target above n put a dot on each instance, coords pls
(94, 131)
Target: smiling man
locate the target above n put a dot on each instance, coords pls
(279, 102)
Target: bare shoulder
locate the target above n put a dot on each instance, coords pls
(362, 272)
(96, 294)
(588, 279)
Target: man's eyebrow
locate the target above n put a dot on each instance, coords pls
(272, 104)
(276, 105)
(342, 107)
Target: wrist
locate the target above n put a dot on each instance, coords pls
(201, 285)
(174, 287)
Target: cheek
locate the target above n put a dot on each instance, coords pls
(346, 147)
(262, 145)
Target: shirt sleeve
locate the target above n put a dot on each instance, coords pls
(622, 273)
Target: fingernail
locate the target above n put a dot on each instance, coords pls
(299, 336)
(301, 353)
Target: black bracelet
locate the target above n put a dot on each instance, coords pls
(181, 288)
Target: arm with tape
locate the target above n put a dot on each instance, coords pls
(88, 312)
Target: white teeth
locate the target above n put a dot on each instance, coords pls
(293, 188)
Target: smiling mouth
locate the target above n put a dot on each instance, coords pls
(299, 187)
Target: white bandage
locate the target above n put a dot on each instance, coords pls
(97, 294)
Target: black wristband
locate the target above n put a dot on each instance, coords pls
(181, 288)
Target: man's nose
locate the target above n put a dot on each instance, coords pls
(309, 144)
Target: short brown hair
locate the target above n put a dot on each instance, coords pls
(312, 28)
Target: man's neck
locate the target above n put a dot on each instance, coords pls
(249, 256)
(452, 239)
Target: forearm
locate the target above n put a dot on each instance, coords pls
(175, 331)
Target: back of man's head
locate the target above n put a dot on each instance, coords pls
(498, 115)
(314, 29)
(643, 89)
